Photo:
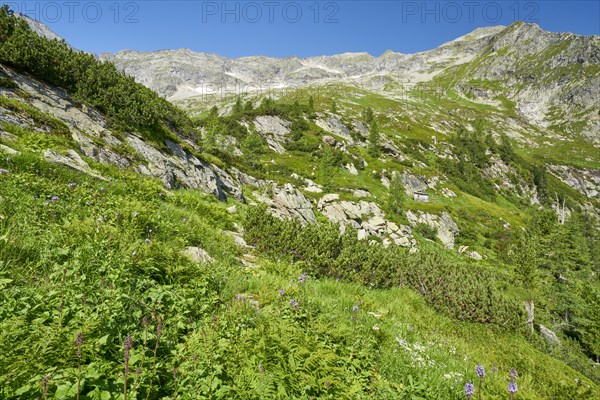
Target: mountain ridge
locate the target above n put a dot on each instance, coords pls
(490, 53)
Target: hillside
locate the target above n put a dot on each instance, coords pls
(276, 245)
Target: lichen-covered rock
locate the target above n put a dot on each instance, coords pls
(447, 230)
(72, 160)
(275, 131)
(288, 202)
(333, 125)
(366, 217)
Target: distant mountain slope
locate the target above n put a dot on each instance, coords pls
(178, 74)
(553, 78)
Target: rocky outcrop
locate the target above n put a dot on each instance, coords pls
(367, 218)
(333, 125)
(585, 181)
(549, 335)
(275, 131)
(311, 186)
(247, 180)
(506, 178)
(198, 254)
(73, 161)
(182, 169)
(287, 202)
(89, 130)
(470, 253)
(447, 230)
(416, 183)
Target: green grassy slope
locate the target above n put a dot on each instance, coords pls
(81, 264)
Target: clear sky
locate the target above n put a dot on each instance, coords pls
(303, 28)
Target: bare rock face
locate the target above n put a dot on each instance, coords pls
(73, 161)
(549, 335)
(89, 130)
(416, 183)
(333, 125)
(275, 131)
(447, 230)
(586, 181)
(367, 218)
(181, 169)
(197, 254)
(288, 202)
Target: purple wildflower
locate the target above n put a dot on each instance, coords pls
(54, 199)
(79, 343)
(145, 322)
(294, 303)
(513, 373)
(303, 278)
(3, 171)
(512, 387)
(480, 371)
(282, 292)
(127, 346)
(45, 382)
(469, 389)
(355, 308)
(148, 240)
(102, 189)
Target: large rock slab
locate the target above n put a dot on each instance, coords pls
(73, 161)
(447, 230)
(288, 202)
(275, 131)
(367, 218)
(333, 125)
(181, 169)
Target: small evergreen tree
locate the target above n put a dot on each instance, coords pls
(237, 107)
(253, 146)
(525, 258)
(268, 106)
(328, 166)
(396, 194)
(368, 116)
(311, 104)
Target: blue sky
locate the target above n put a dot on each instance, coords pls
(303, 28)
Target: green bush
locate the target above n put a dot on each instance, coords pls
(428, 232)
(464, 292)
